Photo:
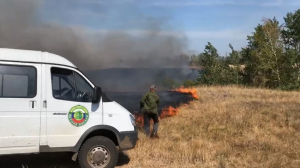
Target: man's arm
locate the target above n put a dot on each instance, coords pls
(142, 101)
(157, 101)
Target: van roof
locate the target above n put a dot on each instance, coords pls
(18, 55)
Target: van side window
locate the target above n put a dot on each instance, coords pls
(63, 84)
(17, 81)
(84, 89)
(69, 85)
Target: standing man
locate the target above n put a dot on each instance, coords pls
(149, 107)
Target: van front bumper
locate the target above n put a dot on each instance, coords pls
(127, 140)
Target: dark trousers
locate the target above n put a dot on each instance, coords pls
(147, 118)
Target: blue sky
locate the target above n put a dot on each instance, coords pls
(217, 21)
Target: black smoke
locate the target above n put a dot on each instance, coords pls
(22, 27)
(146, 55)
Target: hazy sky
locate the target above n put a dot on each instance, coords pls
(218, 21)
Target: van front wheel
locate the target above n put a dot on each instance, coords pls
(98, 152)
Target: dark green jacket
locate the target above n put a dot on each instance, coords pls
(150, 102)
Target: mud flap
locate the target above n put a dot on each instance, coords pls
(74, 157)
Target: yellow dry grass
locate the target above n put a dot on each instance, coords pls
(227, 127)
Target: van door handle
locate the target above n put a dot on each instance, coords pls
(31, 104)
(45, 104)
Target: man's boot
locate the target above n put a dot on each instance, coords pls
(155, 129)
(155, 135)
(151, 136)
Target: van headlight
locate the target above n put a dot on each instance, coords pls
(132, 119)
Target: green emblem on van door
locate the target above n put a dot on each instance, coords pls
(78, 115)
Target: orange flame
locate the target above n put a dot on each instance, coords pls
(169, 112)
(139, 120)
(166, 112)
(192, 91)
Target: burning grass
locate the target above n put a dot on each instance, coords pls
(168, 111)
(192, 91)
(227, 127)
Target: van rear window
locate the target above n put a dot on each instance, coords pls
(17, 81)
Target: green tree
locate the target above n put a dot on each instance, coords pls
(273, 51)
(209, 61)
(216, 70)
(291, 39)
(234, 56)
(235, 68)
(264, 55)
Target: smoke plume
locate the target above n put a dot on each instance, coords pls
(22, 28)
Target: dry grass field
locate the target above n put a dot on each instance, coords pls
(227, 127)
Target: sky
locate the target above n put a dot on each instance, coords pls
(199, 21)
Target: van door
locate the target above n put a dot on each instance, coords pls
(20, 102)
(70, 111)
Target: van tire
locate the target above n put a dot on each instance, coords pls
(95, 142)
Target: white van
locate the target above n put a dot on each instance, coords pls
(48, 105)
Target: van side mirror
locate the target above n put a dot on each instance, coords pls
(96, 94)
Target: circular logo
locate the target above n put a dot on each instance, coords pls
(78, 115)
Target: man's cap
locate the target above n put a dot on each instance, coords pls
(153, 87)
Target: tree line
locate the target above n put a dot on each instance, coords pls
(271, 59)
